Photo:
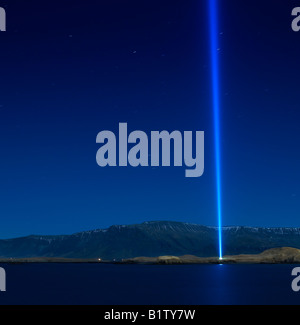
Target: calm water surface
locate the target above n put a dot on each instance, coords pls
(109, 284)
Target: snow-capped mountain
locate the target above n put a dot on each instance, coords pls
(151, 239)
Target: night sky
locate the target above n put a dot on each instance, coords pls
(70, 69)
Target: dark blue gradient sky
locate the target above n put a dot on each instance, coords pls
(70, 69)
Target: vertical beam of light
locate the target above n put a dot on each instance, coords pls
(214, 50)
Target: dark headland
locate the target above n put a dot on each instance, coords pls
(280, 255)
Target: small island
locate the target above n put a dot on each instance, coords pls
(286, 255)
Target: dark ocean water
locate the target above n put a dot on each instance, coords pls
(108, 284)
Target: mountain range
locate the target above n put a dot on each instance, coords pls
(150, 239)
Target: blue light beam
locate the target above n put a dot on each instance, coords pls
(214, 52)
